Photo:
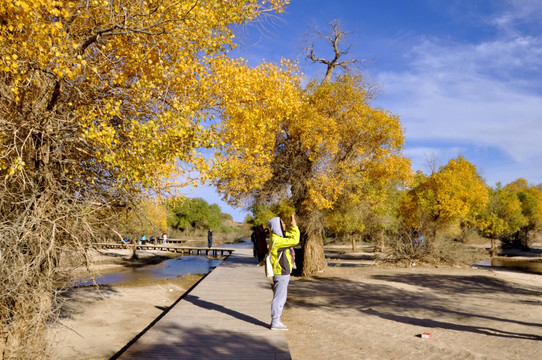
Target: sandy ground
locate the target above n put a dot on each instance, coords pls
(97, 323)
(380, 313)
(364, 312)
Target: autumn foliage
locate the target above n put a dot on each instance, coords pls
(455, 199)
(99, 100)
(311, 145)
(102, 101)
(455, 194)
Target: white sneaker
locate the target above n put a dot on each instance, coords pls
(279, 326)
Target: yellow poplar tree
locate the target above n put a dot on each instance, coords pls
(99, 99)
(310, 145)
(147, 216)
(530, 198)
(347, 220)
(455, 194)
(502, 215)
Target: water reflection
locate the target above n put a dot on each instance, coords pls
(532, 266)
(171, 268)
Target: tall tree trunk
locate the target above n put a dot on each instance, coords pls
(492, 250)
(310, 225)
(314, 260)
(310, 219)
(380, 244)
(134, 249)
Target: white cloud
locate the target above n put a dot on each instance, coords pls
(517, 14)
(486, 94)
(446, 95)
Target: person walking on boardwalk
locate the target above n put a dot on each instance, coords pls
(210, 238)
(280, 242)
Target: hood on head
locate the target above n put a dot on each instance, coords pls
(275, 226)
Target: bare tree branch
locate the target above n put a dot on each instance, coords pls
(335, 39)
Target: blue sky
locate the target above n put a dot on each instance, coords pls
(465, 76)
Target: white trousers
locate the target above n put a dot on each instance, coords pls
(280, 292)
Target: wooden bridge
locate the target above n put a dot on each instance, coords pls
(183, 250)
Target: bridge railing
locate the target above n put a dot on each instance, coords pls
(188, 250)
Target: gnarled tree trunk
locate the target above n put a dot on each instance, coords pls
(314, 260)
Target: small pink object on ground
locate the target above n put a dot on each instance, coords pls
(427, 335)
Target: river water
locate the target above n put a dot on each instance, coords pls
(531, 265)
(167, 269)
(170, 268)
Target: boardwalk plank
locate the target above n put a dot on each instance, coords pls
(226, 316)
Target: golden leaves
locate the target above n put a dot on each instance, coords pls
(132, 76)
(453, 194)
(253, 104)
(326, 138)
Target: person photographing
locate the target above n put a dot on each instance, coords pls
(280, 242)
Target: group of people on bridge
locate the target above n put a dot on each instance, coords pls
(152, 239)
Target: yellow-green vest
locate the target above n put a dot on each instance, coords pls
(280, 245)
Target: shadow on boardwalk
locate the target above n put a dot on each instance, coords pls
(221, 317)
(215, 307)
(198, 343)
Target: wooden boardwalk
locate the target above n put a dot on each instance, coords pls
(226, 316)
(184, 250)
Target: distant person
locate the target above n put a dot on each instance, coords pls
(279, 244)
(253, 238)
(292, 254)
(164, 237)
(418, 241)
(143, 239)
(421, 242)
(261, 243)
(210, 238)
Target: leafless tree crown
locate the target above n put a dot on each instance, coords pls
(335, 38)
